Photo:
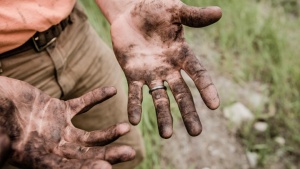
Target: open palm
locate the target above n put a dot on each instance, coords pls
(149, 44)
(42, 135)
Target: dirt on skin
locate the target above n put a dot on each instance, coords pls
(216, 147)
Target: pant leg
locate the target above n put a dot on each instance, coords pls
(92, 64)
(34, 68)
(111, 111)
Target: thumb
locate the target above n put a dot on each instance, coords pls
(199, 17)
(89, 100)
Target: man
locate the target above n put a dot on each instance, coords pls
(68, 59)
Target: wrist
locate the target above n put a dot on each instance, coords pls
(112, 9)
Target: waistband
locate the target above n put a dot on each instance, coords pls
(40, 40)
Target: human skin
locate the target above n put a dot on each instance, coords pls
(148, 40)
(4, 145)
(41, 134)
(149, 44)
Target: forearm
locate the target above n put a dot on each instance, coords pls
(112, 9)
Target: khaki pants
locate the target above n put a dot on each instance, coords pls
(77, 63)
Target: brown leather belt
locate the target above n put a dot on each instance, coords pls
(40, 40)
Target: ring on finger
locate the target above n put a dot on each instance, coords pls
(157, 87)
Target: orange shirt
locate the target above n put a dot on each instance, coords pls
(20, 19)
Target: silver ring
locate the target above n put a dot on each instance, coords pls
(157, 87)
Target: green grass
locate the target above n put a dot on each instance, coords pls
(257, 41)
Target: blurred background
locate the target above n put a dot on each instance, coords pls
(253, 55)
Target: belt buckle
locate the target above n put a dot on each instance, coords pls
(39, 49)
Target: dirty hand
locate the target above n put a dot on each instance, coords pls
(42, 135)
(149, 44)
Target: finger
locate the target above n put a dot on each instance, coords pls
(88, 100)
(36, 160)
(185, 102)
(202, 81)
(96, 138)
(112, 154)
(164, 117)
(135, 98)
(199, 17)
